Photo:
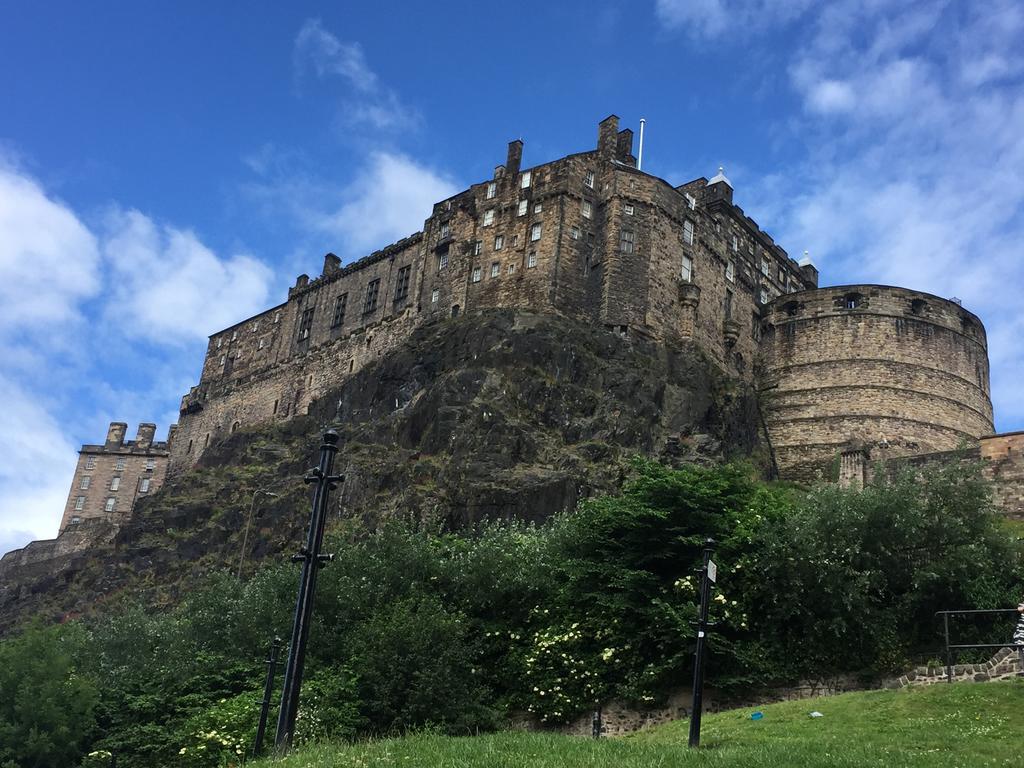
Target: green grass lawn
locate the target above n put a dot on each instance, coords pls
(957, 726)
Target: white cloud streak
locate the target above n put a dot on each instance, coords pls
(329, 57)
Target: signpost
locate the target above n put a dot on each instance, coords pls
(708, 575)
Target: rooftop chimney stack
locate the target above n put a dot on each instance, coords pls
(144, 437)
(515, 157)
(115, 434)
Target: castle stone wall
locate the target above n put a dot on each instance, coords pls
(586, 235)
(896, 371)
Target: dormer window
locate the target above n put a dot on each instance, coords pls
(492, 190)
(527, 177)
(691, 201)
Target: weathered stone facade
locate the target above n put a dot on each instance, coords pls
(111, 477)
(887, 370)
(587, 236)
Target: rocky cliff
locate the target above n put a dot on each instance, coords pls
(500, 415)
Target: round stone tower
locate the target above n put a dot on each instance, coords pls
(887, 371)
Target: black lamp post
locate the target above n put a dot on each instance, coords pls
(707, 576)
(312, 561)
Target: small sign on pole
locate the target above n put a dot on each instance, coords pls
(712, 572)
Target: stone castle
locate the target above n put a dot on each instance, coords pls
(852, 374)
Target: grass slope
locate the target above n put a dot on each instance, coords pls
(958, 726)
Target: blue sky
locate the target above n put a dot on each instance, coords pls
(167, 169)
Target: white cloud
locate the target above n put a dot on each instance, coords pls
(35, 474)
(48, 258)
(330, 56)
(735, 18)
(912, 175)
(372, 104)
(96, 324)
(169, 287)
(389, 199)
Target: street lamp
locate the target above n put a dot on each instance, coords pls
(248, 522)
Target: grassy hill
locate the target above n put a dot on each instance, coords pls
(958, 726)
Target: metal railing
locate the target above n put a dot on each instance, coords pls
(952, 647)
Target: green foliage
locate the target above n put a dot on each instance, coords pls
(416, 628)
(46, 704)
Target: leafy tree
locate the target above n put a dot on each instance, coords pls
(46, 704)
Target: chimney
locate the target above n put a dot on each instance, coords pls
(144, 437)
(115, 434)
(331, 264)
(300, 282)
(607, 136)
(624, 147)
(515, 157)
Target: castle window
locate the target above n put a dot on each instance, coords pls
(120, 464)
(272, 413)
(115, 483)
(206, 440)
(219, 342)
(588, 179)
(434, 296)
(628, 209)
(765, 266)
(492, 190)
(277, 317)
(531, 262)
(455, 310)
(446, 229)
(90, 463)
(750, 248)
(727, 306)
(372, 291)
(234, 335)
(587, 209)
(75, 520)
(109, 506)
(261, 344)
(340, 304)
(79, 503)
(511, 269)
(476, 274)
(735, 244)
(488, 217)
(478, 247)
(526, 178)
(686, 272)
(402, 283)
(235, 426)
(574, 233)
(792, 308)
(852, 300)
(764, 296)
(442, 260)
(515, 240)
(918, 306)
(189, 449)
(495, 269)
(306, 323)
(150, 465)
(144, 485)
(626, 241)
(755, 326)
(730, 270)
(537, 207)
(688, 232)
(691, 201)
(523, 206)
(535, 231)
(84, 485)
(499, 242)
(782, 277)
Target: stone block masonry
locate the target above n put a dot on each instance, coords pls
(587, 236)
(111, 477)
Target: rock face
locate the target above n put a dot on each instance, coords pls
(500, 415)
